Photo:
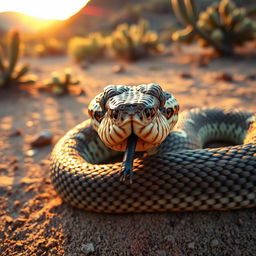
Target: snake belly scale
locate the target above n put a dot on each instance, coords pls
(181, 175)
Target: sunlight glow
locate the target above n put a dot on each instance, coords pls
(46, 9)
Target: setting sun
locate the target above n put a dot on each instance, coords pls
(47, 9)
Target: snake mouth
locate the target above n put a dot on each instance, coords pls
(141, 145)
(150, 134)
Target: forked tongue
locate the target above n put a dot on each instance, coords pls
(126, 172)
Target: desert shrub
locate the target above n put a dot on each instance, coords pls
(86, 48)
(60, 84)
(165, 33)
(134, 42)
(49, 47)
(222, 26)
(9, 72)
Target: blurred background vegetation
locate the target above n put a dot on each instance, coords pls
(126, 29)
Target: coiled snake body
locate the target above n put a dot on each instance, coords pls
(180, 175)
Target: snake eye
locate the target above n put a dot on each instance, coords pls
(150, 112)
(169, 112)
(114, 114)
(98, 115)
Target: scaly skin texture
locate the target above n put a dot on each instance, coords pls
(180, 176)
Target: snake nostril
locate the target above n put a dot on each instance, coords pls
(152, 112)
(147, 112)
(115, 114)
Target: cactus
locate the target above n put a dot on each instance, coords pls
(222, 26)
(86, 48)
(60, 85)
(9, 74)
(49, 47)
(134, 42)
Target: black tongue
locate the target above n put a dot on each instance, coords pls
(126, 172)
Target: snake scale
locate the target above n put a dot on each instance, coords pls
(176, 174)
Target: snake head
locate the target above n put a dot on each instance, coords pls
(144, 110)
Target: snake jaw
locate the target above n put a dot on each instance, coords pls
(150, 133)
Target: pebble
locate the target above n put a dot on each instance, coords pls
(29, 123)
(185, 75)
(88, 249)
(118, 69)
(31, 152)
(3, 167)
(191, 245)
(17, 132)
(8, 219)
(225, 77)
(214, 242)
(15, 167)
(17, 203)
(13, 160)
(42, 139)
(251, 77)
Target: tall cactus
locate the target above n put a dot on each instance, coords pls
(221, 26)
(9, 74)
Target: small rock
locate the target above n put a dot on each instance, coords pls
(13, 160)
(88, 248)
(29, 123)
(17, 132)
(118, 69)
(42, 139)
(17, 203)
(8, 219)
(191, 245)
(31, 152)
(185, 75)
(3, 168)
(225, 77)
(214, 242)
(251, 77)
(15, 167)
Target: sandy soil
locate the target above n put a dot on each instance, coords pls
(35, 221)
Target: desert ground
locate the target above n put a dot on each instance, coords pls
(33, 218)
